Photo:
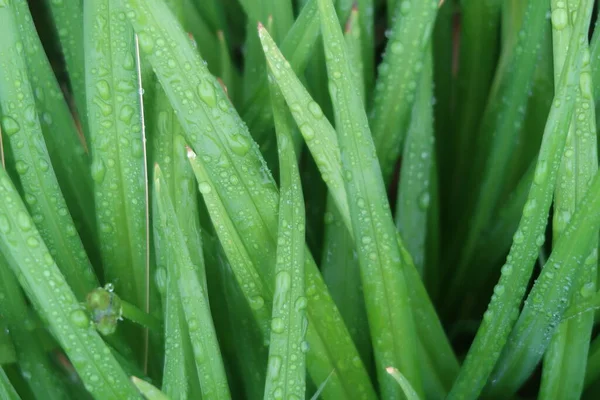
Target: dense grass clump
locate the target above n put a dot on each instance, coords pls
(289, 199)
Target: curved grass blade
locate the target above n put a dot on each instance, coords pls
(592, 371)
(516, 272)
(149, 391)
(22, 127)
(404, 383)
(397, 81)
(49, 292)
(339, 264)
(68, 15)
(287, 360)
(386, 295)
(366, 21)
(545, 305)
(238, 173)
(7, 391)
(297, 46)
(207, 355)
(32, 360)
(204, 37)
(319, 135)
(567, 353)
(118, 166)
(428, 323)
(68, 155)
(248, 277)
(479, 31)
(353, 36)
(500, 125)
(414, 191)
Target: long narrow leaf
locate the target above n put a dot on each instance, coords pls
(386, 295)
(287, 360)
(48, 290)
(516, 272)
(21, 125)
(207, 355)
(239, 175)
(118, 166)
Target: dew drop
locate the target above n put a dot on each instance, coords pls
(10, 125)
(206, 91)
(146, 42)
(204, 187)
(103, 90)
(315, 110)
(98, 170)
(80, 319)
(277, 325)
(240, 145)
(559, 18)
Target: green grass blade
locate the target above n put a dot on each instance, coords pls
(32, 360)
(549, 297)
(319, 135)
(7, 391)
(253, 287)
(366, 21)
(414, 192)
(297, 47)
(56, 303)
(404, 383)
(397, 81)
(36, 175)
(207, 355)
(592, 371)
(149, 391)
(386, 296)
(69, 159)
(287, 360)
(118, 167)
(427, 321)
(480, 22)
(68, 15)
(204, 37)
(238, 173)
(354, 39)
(566, 356)
(503, 308)
(500, 125)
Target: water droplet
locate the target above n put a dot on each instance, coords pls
(424, 200)
(307, 132)
(98, 170)
(559, 18)
(301, 303)
(277, 325)
(21, 167)
(43, 164)
(204, 187)
(146, 42)
(23, 220)
(530, 207)
(315, 110)
(206, 91)
(126, 114)
(304, 346)
(4, 224)
(585, 84)
(33, 242)
(79, 318)
(397, 47)
(240, 145)
(10, 126)
(274, 366)
(257, 302)
(541, 172)
(587, 290)
(103, 90)
(160, 278)
(507, 269)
